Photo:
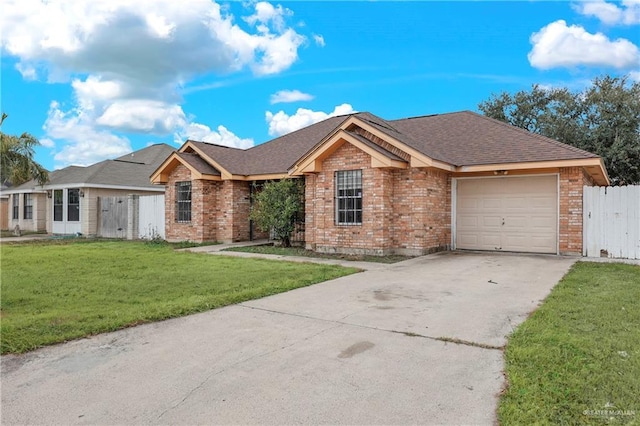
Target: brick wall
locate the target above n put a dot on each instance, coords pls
(572, 180)
(422, 210)
(204, 195)
(404, 211)
(233, 211)
(219, 210)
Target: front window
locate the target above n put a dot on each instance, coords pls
(349, 197)
(28, 206)
(73, 205)
(16, 206)
(183, 201)
(58, 201)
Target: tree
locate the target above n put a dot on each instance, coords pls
(276, 208)
(603, 118)
(16, 159)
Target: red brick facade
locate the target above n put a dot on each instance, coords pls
(219, 210)
(405, 211)
(572, 180)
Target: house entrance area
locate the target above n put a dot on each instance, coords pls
(507, 214)
(66, 211)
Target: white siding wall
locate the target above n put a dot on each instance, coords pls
(611, 222)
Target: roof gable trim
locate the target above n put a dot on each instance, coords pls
(225, 174)
(161, 175)
(310, 162)
(313, 163)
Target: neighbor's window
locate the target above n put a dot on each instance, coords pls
(16, 205)
(349, 197)
(73, 205)
(57, 205)
(183, 201)
(28, 206)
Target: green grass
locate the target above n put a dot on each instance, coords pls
(60, 290)
(578, 356)
(299, 251)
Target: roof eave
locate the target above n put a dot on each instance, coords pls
(594, 166)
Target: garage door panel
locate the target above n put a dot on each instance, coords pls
(507, 213)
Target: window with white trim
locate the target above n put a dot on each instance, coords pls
(16, 206)
(57, 205)
(28, 206)
(348, 200)
(73, 205)
(183, 202)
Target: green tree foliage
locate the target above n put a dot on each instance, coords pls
(603, 118)
(276, 208)
(16, 159)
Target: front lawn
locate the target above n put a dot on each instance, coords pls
(52, 292)
(576, 360)
(299, 251)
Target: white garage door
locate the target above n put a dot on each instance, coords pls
(507, 214)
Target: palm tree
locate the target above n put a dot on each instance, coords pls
(16, 159)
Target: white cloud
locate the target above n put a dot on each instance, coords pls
(265, 14)
(47, 143)
(203, 133)
(84, 145)
(27, 71)
(158, 26)
(280, 123)
(127, 62)
(559, 45)
(635, 76)
(319, 40)
(627, 12)
(285, 96)
(140, 115)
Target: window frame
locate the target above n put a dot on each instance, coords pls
(73, 205)
(27, 209)
(348, 197)
(58, 205)
(183, 193)
(15, 215)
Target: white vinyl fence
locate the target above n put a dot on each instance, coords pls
(151, 217)
(611, 222)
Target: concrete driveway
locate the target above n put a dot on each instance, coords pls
(378, 347)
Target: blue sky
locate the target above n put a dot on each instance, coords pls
(95, 80)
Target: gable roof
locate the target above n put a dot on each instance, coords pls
(466, 138)
(454, 141)
(131, 171)
(273, 157)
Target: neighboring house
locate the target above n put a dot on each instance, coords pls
(4, 207)
(411, 186)
(68, 203)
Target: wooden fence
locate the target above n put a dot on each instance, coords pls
(611, 222)
(131, 217)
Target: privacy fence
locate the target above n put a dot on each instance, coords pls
(611, 222)
(131, 217)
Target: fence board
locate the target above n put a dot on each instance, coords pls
(611, 222)
(112, 217)
(151, 217)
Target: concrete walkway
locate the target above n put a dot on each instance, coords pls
(417, 342)
(218, 249)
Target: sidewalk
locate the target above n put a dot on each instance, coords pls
(24, 238)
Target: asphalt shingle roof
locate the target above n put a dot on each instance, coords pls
(460, 139)
(273, 157)
(131, 170)
(466, 138)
